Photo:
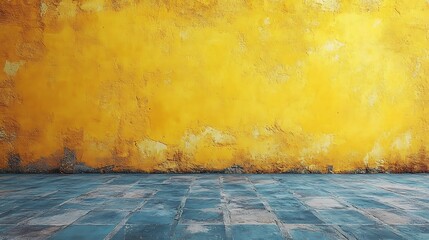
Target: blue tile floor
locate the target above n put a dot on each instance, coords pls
(214, 206)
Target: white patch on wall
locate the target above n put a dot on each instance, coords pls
(319, 145)
(371, 5)
(210, 134)
(267, 21)
(372, 99)
(332, 45)
(242, 44)
(325, 5)
(67, 9)
(255, 133)
(377, 23)
(3, 134)
(11, 68)
(402, 142)
(150, 148)
(278, 74)
(377, 154)
(218, 137)
(92, 6)
(417, 68)
(183, 35)
(43, 8)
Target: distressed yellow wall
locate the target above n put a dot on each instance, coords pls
(170, 85)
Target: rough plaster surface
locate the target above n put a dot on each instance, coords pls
(191, 86)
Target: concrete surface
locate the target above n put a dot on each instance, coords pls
(211, 206)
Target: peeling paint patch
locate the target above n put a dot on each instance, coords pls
(376, 155)
(372, 99)
(325, 5)
(92, 6)
(371, 5)
(11, 68)
(278, 74)
(218, 138)
(319, 145)
(3, 135)
(402, 142)
(150, 148)
(43, 8)
(67, 9)
(333, 45)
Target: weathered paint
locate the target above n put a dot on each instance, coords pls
(264, 86)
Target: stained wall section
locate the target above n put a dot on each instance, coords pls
(209, 85)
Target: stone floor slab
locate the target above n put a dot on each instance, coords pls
(214, 206)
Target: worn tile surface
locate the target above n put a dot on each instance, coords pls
(214, 206)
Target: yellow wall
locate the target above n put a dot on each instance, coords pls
(171, 85)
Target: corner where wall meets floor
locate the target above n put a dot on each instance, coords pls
(234, 86)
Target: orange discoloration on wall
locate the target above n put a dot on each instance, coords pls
(184, 86)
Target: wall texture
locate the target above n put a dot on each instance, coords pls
(214, 85)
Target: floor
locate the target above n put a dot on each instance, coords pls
(214, 206)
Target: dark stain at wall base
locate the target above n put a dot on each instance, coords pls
(68, 162)
(234, 169)
(14, 163)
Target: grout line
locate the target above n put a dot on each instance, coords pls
(363, 212)
(279, 224)
(180, 209)
(125, 219)
(225, 211)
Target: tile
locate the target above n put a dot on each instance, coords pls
(169, 194)
(83, 232)
(124, 204)
(241, 194)
(344, 217)
(422, 213)
(323, 203)
(418, 232)
(251, 203)
(57, 217)
(313, 232)
(251, 216)
(102, 217)
(253, 232)
(138, 193)
(144, 231)
(204, 216)
(42, 204)
(205, 194)
(367, 203)
(286, 204)
(152, 217)
(201, 203)
(305, 193)
(307, 205)
(396, 217)
(162, 204)
(402, 203)
(298, 217)
(30, 232)
(370, 232)
(197, 232)
(16, 216)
